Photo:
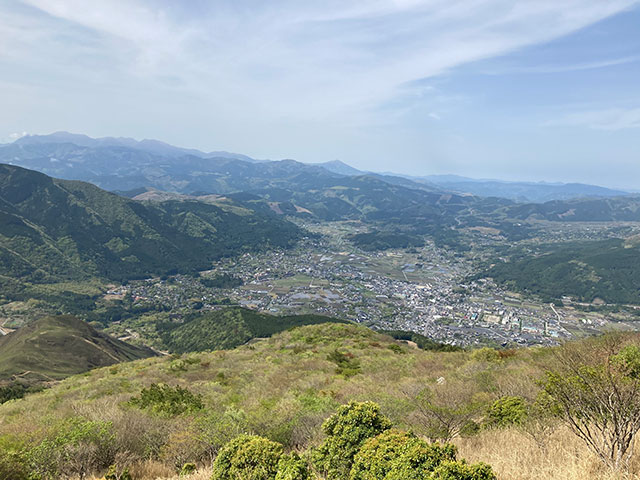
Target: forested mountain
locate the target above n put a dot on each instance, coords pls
(52, 348)
(608, 270)
(525, 192)
(229, 328)
(54, 230)
(581, 210)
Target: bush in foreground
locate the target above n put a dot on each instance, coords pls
(346, 431)
(249, 457)
(360, 445)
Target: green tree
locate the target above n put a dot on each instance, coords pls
(166, 400)
(597, 387)
(292, 467)
(398, 454)
(461, 470)
(345, 432)
(248, 457)
(507, 411)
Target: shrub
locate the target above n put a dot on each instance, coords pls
(346, 431)
(485, 354)
(76, 448)
(419, 459)
(596, 384)
(13, 459)
(166, 400)
(292, 467)
(248, 457)
(450, 470)
(187, 469)
(115, 473)
(398, 454)
(347, 365)
(507, 411)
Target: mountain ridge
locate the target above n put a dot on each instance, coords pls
(52, 348)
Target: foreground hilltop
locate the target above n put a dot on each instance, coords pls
(163, 412)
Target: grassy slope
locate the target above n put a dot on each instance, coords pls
(56, 347)
(281, 378)
(284, 387)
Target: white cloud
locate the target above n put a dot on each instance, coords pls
(281, 58)
(17, 135)
(607, 119)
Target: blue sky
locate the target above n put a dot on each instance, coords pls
(531, 90)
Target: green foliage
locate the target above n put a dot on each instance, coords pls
(12, 391)
(54, 230)
(248, 457)
(229, 328)
(628, 359)
(605, 269)
(395, 454)
(508, 410)
(292, 467)
(115, 473)
(76, 447)
(383, 240)
(14, 463)
(597, 388)
(346, 364)
(424, 343)
(345, 432)
(187, 469)
(166, 400)
(223, 280)
(450, 470)
(485, 354)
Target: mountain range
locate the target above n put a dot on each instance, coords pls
(125, 164)
(54, 230)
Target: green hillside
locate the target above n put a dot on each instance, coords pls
(608, 270)
(153, 416)
(55, 230)
(52, 348)
(229, 328)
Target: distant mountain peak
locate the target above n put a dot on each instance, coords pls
(338, 166)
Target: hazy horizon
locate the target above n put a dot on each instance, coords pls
(536, 91)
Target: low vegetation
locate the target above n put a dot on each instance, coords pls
(292, 398)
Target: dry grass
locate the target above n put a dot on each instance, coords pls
(514, 455)
(156, 471)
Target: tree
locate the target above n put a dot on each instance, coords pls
(507, 411)
(597, 386)
(292, 467)
(450, 470)
(444, 410)
(398, 454)
(346, 431)
(248, 457)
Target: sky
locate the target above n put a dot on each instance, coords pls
(544, 90)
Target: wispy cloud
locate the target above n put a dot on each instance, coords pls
(607, 119)
(286, 58)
